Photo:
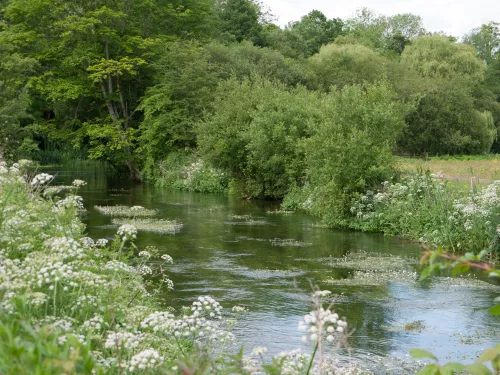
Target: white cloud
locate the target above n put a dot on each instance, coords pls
(455, 17)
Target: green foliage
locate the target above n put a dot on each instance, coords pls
(438, 57)
(15, 70)
(385, 34)
(304, 38)
(94, 64)
(183, 171)
(238, 20)
(424, 209)
(448, 119)
(254, 135)
(185, 84)
(447, 122)
(486, 40)
(346, 64)
(350, 150)
(244, 60)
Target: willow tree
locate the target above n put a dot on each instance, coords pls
(94, 59)
(447, 119)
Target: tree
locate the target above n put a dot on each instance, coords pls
(238, 20)
(346, 64)
(436, 56)
(15, 71)
(448, 119)
(315, 30)
(401, 30)
(385, 33)
(447, 122)
(186, 82)
(94, 58)
(486, 39)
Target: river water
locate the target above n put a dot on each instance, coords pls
(241, 254)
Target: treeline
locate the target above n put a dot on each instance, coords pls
(132, 82)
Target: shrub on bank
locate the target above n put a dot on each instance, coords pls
(431, 211)
(350, 150)
(185, 171)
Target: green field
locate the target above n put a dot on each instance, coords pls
(483, 167)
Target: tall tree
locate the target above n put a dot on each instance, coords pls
(385, 33)
(486, 39)
(447, 119)
(94, 61)
(316, 30)
(238, 20)
(15, 71)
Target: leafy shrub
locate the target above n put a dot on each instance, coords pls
(185, 171)
(350, 150)
(254, 135)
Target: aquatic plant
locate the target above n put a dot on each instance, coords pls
(288, 242)
(152, 225)
(126, 211)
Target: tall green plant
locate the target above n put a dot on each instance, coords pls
(350, 150)
(254, 135)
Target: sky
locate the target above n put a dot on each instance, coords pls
(454, 17)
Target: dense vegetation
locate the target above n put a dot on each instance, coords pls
(209, 95)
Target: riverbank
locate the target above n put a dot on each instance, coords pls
(71, 304)
(437, 209)
(243, 253)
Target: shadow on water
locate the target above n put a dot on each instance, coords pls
(237, 252)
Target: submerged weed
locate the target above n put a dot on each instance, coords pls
(152, 225)
(125, 211)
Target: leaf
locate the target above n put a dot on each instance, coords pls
(459, 269)
(429, 369)
(495, 310)
(421, 353)
(451, 368)
(488, 355)
(425, 273)
(478, 369)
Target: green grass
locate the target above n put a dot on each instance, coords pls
(485, 167)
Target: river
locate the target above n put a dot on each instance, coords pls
(239, 253)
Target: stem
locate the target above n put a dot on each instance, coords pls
(179, 345)
(312, 358)
(55, 294)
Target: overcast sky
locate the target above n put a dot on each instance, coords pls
(454, 17)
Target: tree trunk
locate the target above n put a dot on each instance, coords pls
(134, 172)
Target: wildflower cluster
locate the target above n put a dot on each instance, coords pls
(429, 210)
(127, 232)
(73, 290)
(41, 179)
(315, 321)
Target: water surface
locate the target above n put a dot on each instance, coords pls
(242, 255)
